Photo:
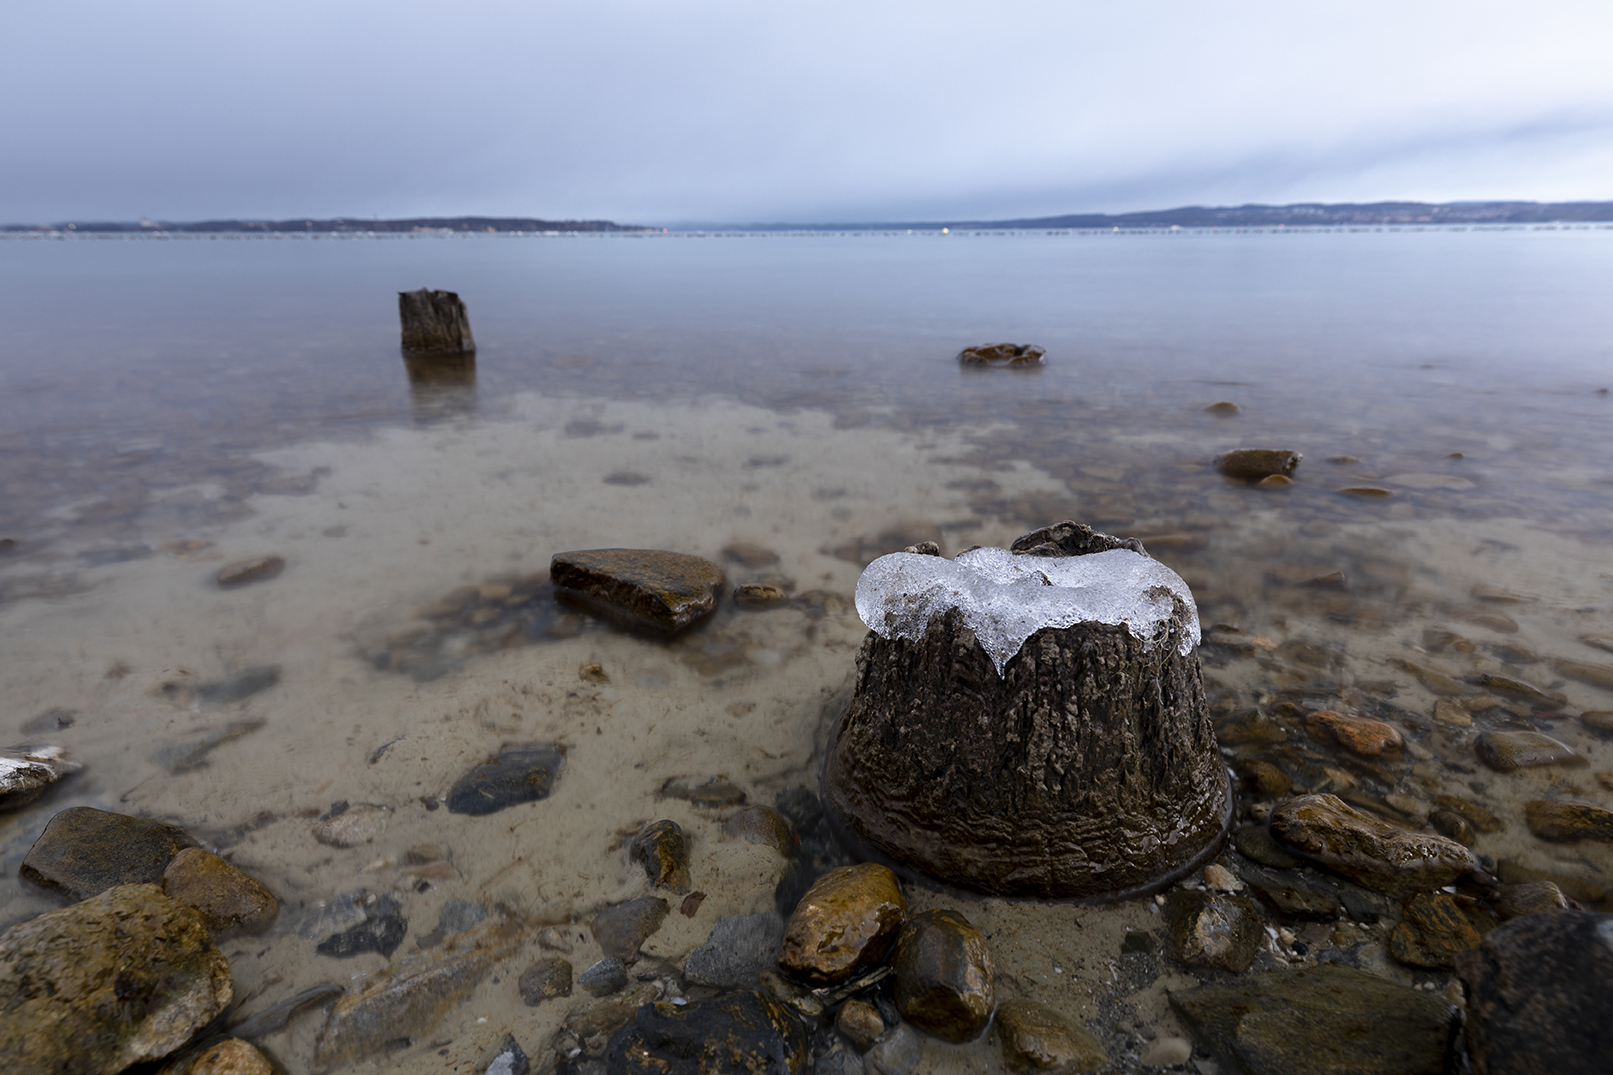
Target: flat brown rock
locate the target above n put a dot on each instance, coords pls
(1003, 354)
(1567, 820)
(1036, 1039)
(847, 921)
(227, 898)
(84, 851)
(1359, 735)
(1506, 751)
(646, 590)
(1252, 464)
(1378, 854)
(1434, 928)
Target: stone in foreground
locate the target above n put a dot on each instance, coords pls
(1214, 931)
(1378, 854)
(434, 323)
(1326, 1020)
(120, 978)
(847, 922)
(1253, 464)
(232, 1056)
(621, 929)
(26, 772)
(1507, 751)
(228, 898)
(1037, 1040)
(84, 851)
(649, 591)
(738, 1034)
(663, 850)
(945, 984)
(518, 774)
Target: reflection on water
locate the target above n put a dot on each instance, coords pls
(441, 387)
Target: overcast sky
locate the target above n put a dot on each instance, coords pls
(666, 112)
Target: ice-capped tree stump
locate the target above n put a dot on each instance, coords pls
(1030, 721)
(434, 323)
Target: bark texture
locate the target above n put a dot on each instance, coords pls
(435, 322)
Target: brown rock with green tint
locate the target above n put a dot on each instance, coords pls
(847, 922)
(1039, 1041)
(646, 590)
(945, 983)
(1378, 854)
(1527, 692)
(1359, 735)
(1507, 751)
(119, 978)
(84, 851)
(1568, 820)
(663, 850)
(1252, 464)
(1434, 928)
(228, 898)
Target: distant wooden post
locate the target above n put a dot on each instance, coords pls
(435, 323)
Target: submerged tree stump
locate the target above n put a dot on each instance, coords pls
(1087, 769)
(434, 323)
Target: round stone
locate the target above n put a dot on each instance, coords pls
(944, 979)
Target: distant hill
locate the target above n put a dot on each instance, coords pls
(340, 224)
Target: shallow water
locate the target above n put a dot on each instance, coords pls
(174, 405)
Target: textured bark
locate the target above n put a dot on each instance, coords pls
(435, 322)
(1089, 769)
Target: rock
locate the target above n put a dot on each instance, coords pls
(1598, 675)
(1220, 879)
(1252, 464)
(1223, 407)
(838, 1060)
(761, 825)
(1250, 727)
(1213, 931)
(1598, 719)
(945, 983)
(737, 1034)
(593, 1023)
(899, 1052)
(228, 899)
(84, 851)
(191, 753)
(546, 979)
(511, 1059)
(1568, 820)
(716, 791)
(607, 976)
(1528, 692)
(1537, 996)
(1452, 715)
(1433, 929)
(861, 1023)
(517, 774)
(1166, 1053)
(1507, 751)
(1365, 491)
(1138, 942)
(434, 323)
(1293, 893)
(232, 1056)
(663, 850)
(847, 922)
(647, 590)
(749, 554)
(122, 977)
(1325, 1020)
(1003, 354)
(382, 930)
(1255, 842)
(26, 772)
(1481, 818)
(244, 572)
(1265, 779)
(276, 1016)
(1379, 854)
(738, 950)
(1358, 735)
(352, 825)
(1578, 880)
(1530, 897)
(1436, 682)
(410, 997)
(1454, 825)
(1038, 1040)
(621, 929)
(456, 916)
(759, 596)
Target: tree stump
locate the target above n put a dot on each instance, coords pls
(434, 323)
(1087, 768)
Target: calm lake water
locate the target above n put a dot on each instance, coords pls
(172, 405)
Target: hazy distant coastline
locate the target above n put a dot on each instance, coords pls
(1300, 215)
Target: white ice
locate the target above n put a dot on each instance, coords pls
(1005, 598)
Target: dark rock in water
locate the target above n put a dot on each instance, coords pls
(382, 930)
(649, 590)
(738, 950)
(1223, 407)
(228, 898)
(621, 929)
(1252, 464)
(1293, 893)
(861, 1023)
(511, 1059)
(1530, 897)
(1326, 1020)
(1003, 354)
(1359, 735)
(738, 1034)
(663, 850)
(847, 922)
(1599, 675)
(435, 323)
(1568, 820)
(945, 983)
(1537, 996)
(1434, 928)
(457, 916)
(26, 772)
(761, 825)
(519, 774)
(717, 791)
(607, 976)
(276, 1016)
(1255, 842)
(1527, 692)
(899, 1052)
(191, 754)
(1450, 823)
(546, 979)
(84, 851)
(749, 554)
(1507, 751)
(123, 977)
(1381, 855)
(243, 572)
(1138, 942)
(240, 686)
(1035, 1038)
(1213, 931)
(1250, 727)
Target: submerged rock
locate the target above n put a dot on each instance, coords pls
(1507, 751)
(123, 977)
(1381, 855)
(511, 1059)
(738, 950)
(1036, 1040)
(1567, 820)
(738, 1034)
(546, 979)
(518, 774)
(26, 772)
(621, 929)
(607, 976)
(1529, 897)
(243, 572)
(228, 898)
(715, 791)
(761, 825)
(861, 1023)
(759, 596)
(232, 1056)
(1003, 354)
(382, 930)
(84, 851)
(1434, 928)
(1527, 692)
(1252, 464)
(352, 825)
(649, 590)
(663, 850)
(1359, 735)
(945, 983)
(847, 922)
(1213, 931)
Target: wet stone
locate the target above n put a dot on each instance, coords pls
(861, 1023)
(761, 825)
(457, 916)
(1482, 819)
(738, 950)
(228, 898)
(738, 1034)
(1568, 820)
(122, 977)
(26, 772)
(1213, 931)
(546, 979)
(847, 922)
(1529, 897)
(244, 572)
(1537, 996)
(899, 1052)
(1508, 751)
(1452, 715)
(1454, 825)
(1326, 1020)
(648, 590)
(1600, 720)
(352, 824)
(749, 554)
(1250, 727)
(759, 596)
(1520, 689)
(233, 1056)
(1379, 854)
(1359, 735)
(1255, 842)
(944, 980)
(382, 930)
(1003, 354)
(1036, 1040)
(663, 850)
(711, 793)
(1434, 928)
(607, 976)
(1265, 779)
(511, 1059)
(84, 851)
(518, 774)
(621, 929)
(1252, 464)
(1293, 893)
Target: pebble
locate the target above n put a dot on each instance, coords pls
(737, 951)
(1528, 692)
(119, 978)
(1359, 735)
(847, 921)
(861, 1023)
(1278, 481)
(1223, 407)
(456, 917)
(382, 930)
(1035, 1039)
(1252, 464)
(1267, 781)
(1436, 682)
(1366, 491)
(1598, 675)
(84, 851)
(607, 976)
(228, 898)
(1529, 897)
(1508, 751)
(1458, 828)
(1381, 855)
(761, 825)
(1221, 879)
(26, 772)
(1003, 354)
(647, 590)
(749, 554)
(1483, 820)
(1293, 893)
(1568, 820)
(663, 850)
(1255, 842)
(546, 979)
(1452, 715)
(1438, 639)
(1433, 928)
(1250, 727)
(1599, 719)
(243, 572)
(232, 1056)
(517, 774)
(1166, 1053)
(353, 825)
(714, 792)
(1213, 931)
(758, 596)
(727, 1035)
(944, 981)
(511, 1059)
(899, 1052)
(621, 929)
